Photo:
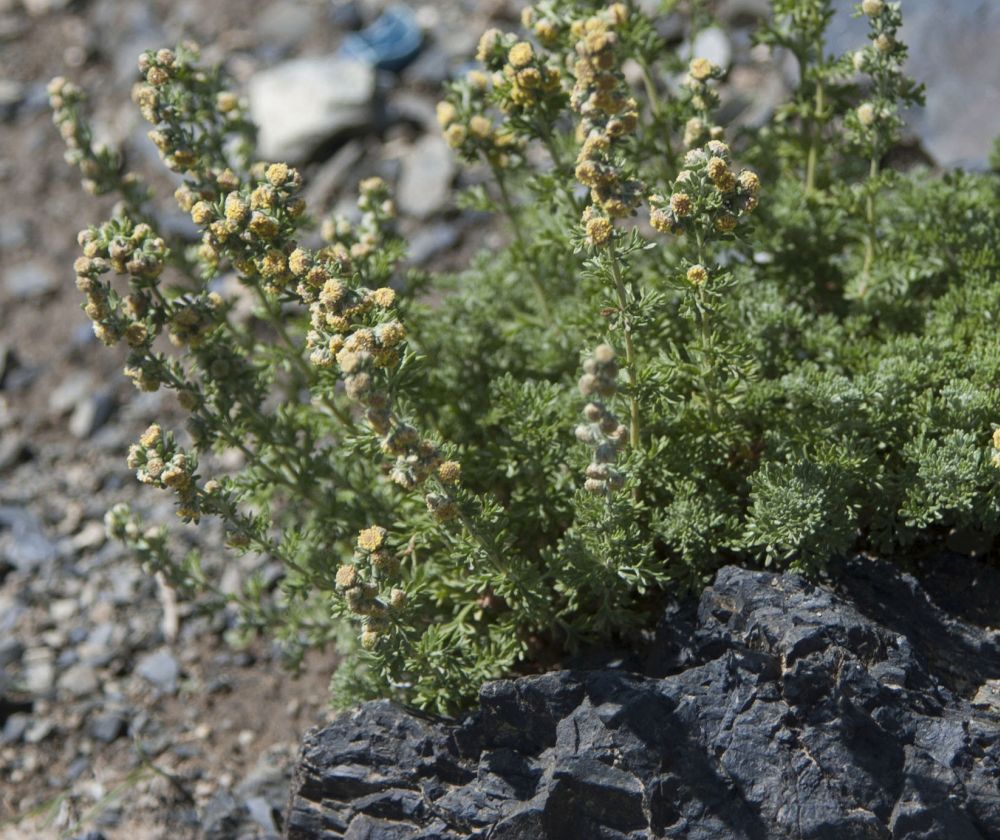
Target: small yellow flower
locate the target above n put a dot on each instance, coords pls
(369, 639)
(201, 213)
(872, 8)
(749, 181)
(236, 208)
(455, 135)
(372, 539)
(450, 472)
(347, 576)
(996, 438)
(391, 334)
(726, 223)
(701, 69)
(545, 32)
(151, 436)
(157, 76)
(383, 297)
(884, 44)
(697, 274)
(520, 54)
(487, 43)
(599, 231)
(277, 174)
(717, 169)
(299, 262)
(866, 114)
(618, 13)
(680, 203)
(661, 220)
(226, 101)
(397, 599)
(480, 126)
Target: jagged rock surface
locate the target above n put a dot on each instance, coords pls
(776, 709)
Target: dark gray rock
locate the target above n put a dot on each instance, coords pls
(778, 708)
(107, 727)
(14, 727)
(24, 545)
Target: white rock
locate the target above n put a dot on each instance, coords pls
(299, 104)
(425, 180)
(714, 44)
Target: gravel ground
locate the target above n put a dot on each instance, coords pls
(113, 720)
(122, 712)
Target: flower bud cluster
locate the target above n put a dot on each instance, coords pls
(602, 432)
(190, 111)
(995, 457)
(124, 248)
(707, 195)
(355, 247)
(158, 461)
(527, 83)
(544, 24)
(251, 225)
(468, 127)
(193, 318)
(100, 166)
(703, 98)
(608, 114)
(361, 582)
(875, 122)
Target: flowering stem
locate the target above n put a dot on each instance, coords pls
(295, 358)
(870, 242)
(706, 339)
(630, 358)
(815, 132)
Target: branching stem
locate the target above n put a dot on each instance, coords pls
(630, 355)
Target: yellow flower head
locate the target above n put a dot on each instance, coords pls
(680, 203)
(545, 32)
(449, 472)
(726, 223)
(749, 181)
(277, 174)
(299, 262)
(520, 54)
(701, 69)
(477, 79)
(599, 231)
(996, 438)
(455, 135)
(697, 275)
(872, 8)
(347, 576)
(487, 43)
(866, 114)
(372, 539)
(884, 43)
(480, 126)
(446, 114)
(153, 434)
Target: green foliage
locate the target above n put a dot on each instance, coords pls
(466, 475)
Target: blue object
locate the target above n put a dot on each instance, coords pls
(390, 43)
